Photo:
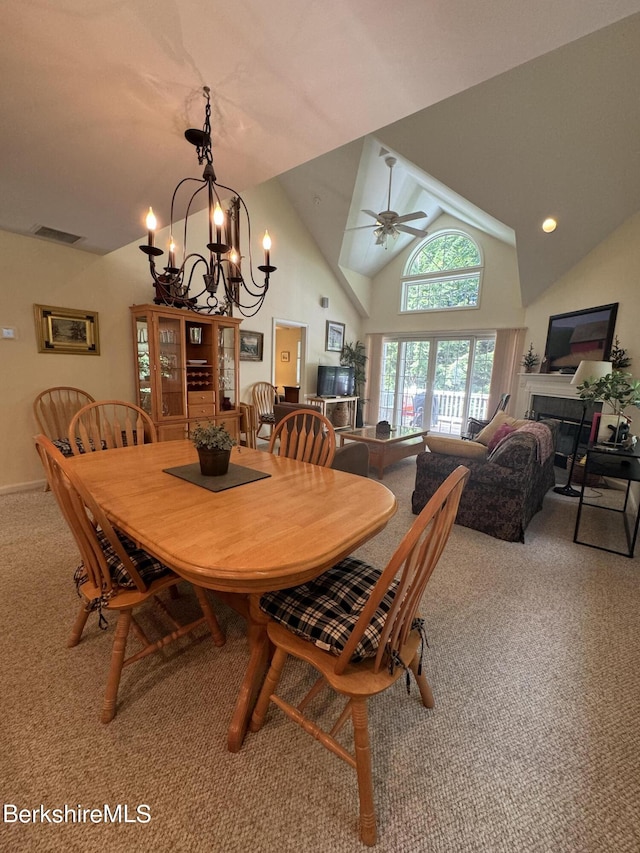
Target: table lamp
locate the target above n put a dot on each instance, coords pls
(586, 370)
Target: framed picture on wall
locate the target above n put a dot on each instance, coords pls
(66, 330)
(334, 337)
(251, 345)
(285, 355)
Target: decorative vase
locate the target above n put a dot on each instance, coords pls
(213, 463)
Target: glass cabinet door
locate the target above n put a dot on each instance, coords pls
(227, 360)
(170, 366)
(144, 367)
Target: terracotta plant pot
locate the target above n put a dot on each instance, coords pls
(213, 463)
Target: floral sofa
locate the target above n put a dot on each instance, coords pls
(511, 471)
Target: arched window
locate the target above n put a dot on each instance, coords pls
(443, 273)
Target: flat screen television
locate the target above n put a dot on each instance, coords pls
(335, 381)
(579, 335)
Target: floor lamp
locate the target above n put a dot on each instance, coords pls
(590, 370)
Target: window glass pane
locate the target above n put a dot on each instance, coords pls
(443, 293)
(412, 383)
(446, 252)
(388, 388)
(481, 377)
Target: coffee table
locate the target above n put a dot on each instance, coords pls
(401, 442)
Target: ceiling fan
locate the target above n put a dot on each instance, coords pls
(389, 223)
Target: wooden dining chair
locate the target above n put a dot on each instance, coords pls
(264, 396)
(108, 424)
(359, 628)
(114, 575)
(248, 427)
(54, 408)
(305, 435)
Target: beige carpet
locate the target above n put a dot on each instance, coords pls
(533, 745)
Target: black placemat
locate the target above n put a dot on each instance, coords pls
(237, 475)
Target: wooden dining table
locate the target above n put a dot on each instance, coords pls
(264, 535)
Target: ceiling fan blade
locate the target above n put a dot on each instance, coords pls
(407, 229)
(371, 213)
(419, 214)
(360, 227)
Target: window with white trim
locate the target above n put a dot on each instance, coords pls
(444, 273)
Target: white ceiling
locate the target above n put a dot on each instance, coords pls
(96, 97)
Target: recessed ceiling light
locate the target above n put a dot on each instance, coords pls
(549, 225)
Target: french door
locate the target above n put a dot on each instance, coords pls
(436, 383)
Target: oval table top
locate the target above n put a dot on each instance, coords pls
(264, 535)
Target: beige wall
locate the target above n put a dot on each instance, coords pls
(500, 303)
(607, 274)
(39, 272)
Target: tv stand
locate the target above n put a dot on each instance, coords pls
(330, 407)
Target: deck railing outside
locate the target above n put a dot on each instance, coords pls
(447, 413)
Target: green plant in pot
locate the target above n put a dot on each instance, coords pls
(353, 355)
(213, 444)
(617, 389)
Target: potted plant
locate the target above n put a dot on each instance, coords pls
(619, 357)
(618, 390)
(353, 355)
(213, 444)
(530, 359)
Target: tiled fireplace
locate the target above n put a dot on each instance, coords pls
(551, 395)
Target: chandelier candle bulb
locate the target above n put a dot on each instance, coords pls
(172, 253)
(234, 260)
(266, 245)
(152, 224)
(218, 220)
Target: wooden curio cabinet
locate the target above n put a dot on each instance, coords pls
(186, 368)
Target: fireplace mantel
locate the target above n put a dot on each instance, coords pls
(547, 384)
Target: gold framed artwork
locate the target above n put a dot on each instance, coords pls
(66, 330)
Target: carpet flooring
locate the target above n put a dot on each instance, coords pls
(533, 746)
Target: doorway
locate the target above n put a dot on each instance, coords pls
(436, 383)
(289, 359)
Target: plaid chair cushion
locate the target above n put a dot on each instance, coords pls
(64, 446)
(149, 568)
(325, 610)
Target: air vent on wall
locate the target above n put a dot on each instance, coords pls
(58, 236)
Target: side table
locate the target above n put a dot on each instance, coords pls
(323, 403)
(622, 465)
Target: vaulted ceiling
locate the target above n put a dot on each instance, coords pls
(514, 109)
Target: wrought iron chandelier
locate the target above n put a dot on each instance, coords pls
(224, 285)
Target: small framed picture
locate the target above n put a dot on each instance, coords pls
(285, 355)
(251, 344)
(334, 337)
(66, 330)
